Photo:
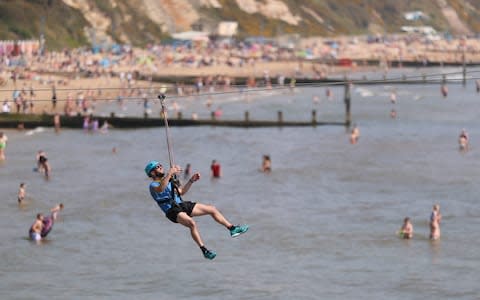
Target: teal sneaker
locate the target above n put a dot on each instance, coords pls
(238, 230)
(209, 254)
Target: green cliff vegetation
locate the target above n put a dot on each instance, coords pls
(64, 26)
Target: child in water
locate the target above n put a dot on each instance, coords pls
(406, 232)
(21, 193)
(266, 164)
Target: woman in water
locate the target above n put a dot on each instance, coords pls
(435, 219)
(463, 140)
(3, 145)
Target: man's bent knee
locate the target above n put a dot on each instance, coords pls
(185, 220)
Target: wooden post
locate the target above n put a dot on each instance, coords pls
(347, 97)
(112, 115)
(280, 117)
(314, 117)
(247, 116)
(212, 115)
(179, 115)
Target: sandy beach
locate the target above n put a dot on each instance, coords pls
(108, 88)
(110, 82)
(103, 88)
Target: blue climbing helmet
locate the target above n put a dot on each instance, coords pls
(150, 166)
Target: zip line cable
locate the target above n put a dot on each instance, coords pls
(159, 86)
(242, 89)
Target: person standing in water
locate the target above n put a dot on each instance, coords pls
(266, 164)
(444, 90)
(393, 97)
(21, 193)
(3, 145)
(393, 113)
(463, 140)
(354, 135)
(50, 220)
(216, 169)
(188, 170)
(56, 122)
(36, 229)
(406, 232)
(42, 163)
(166, 191)
(435, 219)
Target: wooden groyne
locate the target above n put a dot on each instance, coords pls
(76, 122)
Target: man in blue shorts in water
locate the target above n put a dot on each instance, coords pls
(35, 230)
(167, 194)
(43, 225)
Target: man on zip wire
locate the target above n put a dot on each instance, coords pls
(167, 192)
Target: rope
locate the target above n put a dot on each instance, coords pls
(174, 180)
(167, 131)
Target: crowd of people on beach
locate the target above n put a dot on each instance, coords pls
(30, 92)
(235, 53)
(155, 57)
(121, 69)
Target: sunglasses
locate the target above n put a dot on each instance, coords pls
(158, 167)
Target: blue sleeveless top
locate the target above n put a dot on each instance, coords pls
(163, 198)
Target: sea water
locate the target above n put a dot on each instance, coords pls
(322, 225)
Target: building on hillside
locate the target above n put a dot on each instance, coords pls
(227, 29)
(415, 15)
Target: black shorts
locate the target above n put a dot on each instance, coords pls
(185, 206)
